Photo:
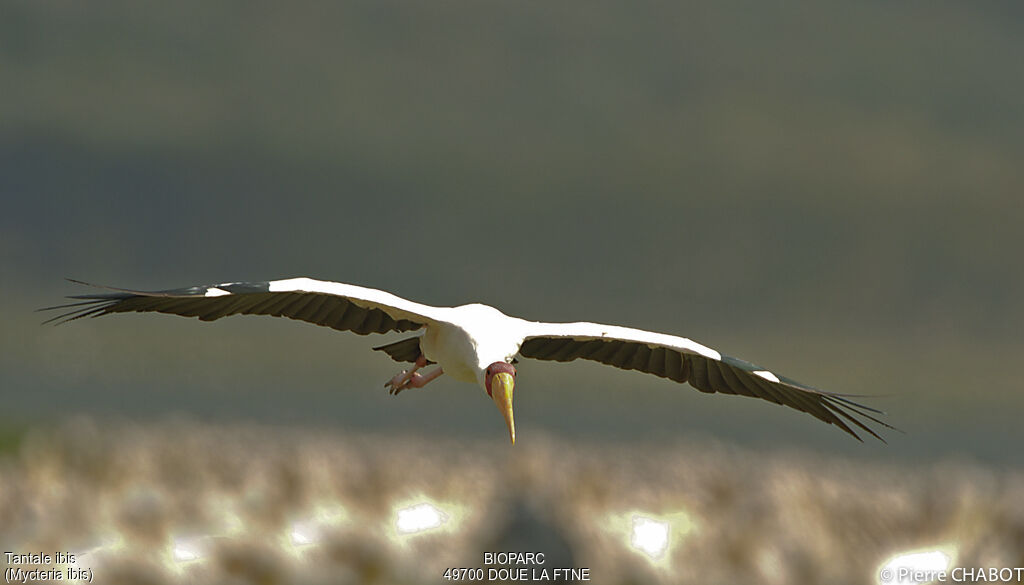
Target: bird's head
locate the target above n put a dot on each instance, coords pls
(499, 380)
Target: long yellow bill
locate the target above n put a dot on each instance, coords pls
(501, 391)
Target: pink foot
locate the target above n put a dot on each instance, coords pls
(415, 380)
(402, 378)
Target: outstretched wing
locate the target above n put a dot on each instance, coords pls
(684, 360)
(336, 305)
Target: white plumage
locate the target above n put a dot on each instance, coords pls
(478, 343)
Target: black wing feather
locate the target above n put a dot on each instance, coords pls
(243, 298)
(406, 350)
(727, 376)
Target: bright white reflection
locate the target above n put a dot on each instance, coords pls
(650, 536)
(305, 532)
(419, 518)
(313, 529)
(917, 567)
(189, 549)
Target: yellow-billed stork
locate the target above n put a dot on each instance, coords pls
(478, 343)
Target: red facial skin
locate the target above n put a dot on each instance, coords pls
(496, 368)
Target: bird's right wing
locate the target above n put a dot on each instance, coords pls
(345, 307)
(684, 360)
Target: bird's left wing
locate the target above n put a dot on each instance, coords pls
(684, 360)
(345, 307)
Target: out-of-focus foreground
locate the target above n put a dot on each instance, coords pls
(184, 502)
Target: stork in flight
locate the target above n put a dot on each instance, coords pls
(478, 343)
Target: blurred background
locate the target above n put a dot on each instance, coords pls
(831, 190)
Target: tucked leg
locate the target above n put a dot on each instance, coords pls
(402, 380)
(403, 377)
(419, 380)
